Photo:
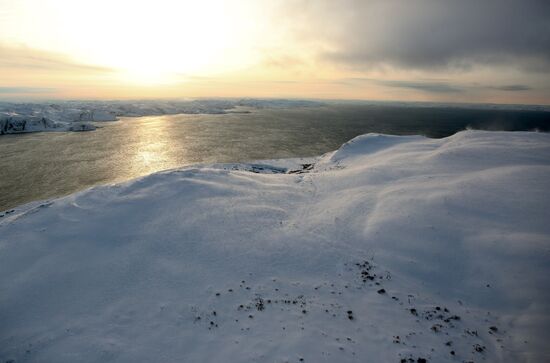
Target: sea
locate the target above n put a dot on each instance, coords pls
(46, 165)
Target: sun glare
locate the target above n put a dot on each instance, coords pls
(147, 42)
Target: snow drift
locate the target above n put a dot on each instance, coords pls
(391, 249)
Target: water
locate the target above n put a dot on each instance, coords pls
(45, 165)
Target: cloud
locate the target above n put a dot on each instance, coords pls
(20, 57)
(424, 86)
(512, 87)
(427, 34)
(31, 73)
(433, 87)
(26, 90)
(281, 60)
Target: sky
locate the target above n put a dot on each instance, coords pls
(486, 51)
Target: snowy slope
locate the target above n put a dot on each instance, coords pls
(390, 249)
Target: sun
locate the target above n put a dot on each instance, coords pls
(151, 42)
(147, 41)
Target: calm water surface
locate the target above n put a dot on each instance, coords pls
(45, 165)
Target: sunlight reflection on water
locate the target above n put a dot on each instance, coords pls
(150, 152)
(43, 165)
(49, 164)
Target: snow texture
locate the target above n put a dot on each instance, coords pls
(61, 116)
(391, 249)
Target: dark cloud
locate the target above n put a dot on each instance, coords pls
(425, 86)
(513, 87)
(430, 34)
(432, 87)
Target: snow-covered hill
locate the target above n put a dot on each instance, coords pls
(391, 249)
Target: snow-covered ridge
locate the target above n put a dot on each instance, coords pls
(391, 249)
(61, 116)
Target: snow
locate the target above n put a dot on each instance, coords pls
(11, 123)
(81, 126)
(97, 115)
(60, 116)
(390, 248)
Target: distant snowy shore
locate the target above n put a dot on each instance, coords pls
(79, 115)
(390, 249)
